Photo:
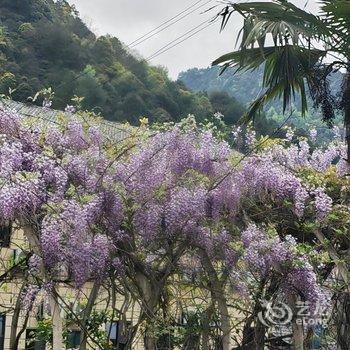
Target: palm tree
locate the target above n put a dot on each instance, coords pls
(297, 49)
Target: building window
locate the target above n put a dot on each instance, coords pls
(126, 336)
(112, 330)
(73, 339)
(5, 235)
(32, 343)
(118, 333)
(2, 331)
(40, 312)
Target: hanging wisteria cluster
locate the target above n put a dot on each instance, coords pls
(101, 209)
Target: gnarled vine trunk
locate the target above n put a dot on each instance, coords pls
(150, 299)
(343, 301)
(217, 290)
(346, 108)
(57, 320)
(57, 324)
(87, 312)
(297, 327)
(343, 320)
(206, 327)
(15, 319)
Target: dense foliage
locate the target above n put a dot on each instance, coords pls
(45, 44)
(147, 210)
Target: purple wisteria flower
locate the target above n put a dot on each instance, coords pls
(313, 134)
(323, 204)
(70, 109)
(47, 103)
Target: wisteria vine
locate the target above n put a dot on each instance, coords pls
(96, 209)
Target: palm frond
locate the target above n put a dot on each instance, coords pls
(284, 21)
(285, 70)
(320, 91)
(336, 15)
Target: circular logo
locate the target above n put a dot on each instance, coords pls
(279, 314)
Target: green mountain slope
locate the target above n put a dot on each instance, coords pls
(44, 43)
(244, 86)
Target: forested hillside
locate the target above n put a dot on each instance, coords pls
(245, 86)
(45, 44)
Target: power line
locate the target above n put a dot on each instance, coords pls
(183, 35)
(157, 53)
(167, 26)
(178, 43)
(164, 23)
(85, 73)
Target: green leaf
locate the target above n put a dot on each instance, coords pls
(286, 71)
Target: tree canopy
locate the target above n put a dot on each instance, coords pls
(45, 44)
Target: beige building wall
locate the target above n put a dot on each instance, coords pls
(184, 298)
(9, 293)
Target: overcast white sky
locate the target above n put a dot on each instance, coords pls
(130, 19)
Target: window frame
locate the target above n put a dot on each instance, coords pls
(76, 333)
(109, 331)
(2, 331)
(5, 235)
